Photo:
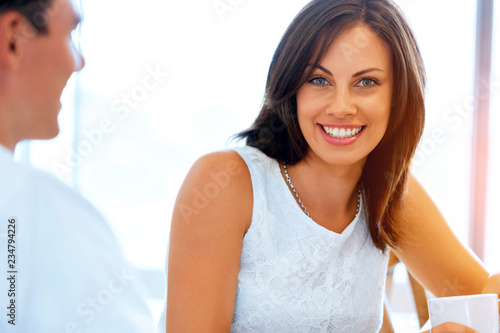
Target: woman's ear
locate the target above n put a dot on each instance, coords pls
(15, 34)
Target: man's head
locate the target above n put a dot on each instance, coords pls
(37, 57)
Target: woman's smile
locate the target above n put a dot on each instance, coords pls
(341, 134)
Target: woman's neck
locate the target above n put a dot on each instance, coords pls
(330, 193)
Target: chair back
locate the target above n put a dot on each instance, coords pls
(419, 297)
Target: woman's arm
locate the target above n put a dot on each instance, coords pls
(436, 258)
(212, 212)
(433, 254)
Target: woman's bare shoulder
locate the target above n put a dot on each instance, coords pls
(218, 181)
(227, 161)
(211, 215)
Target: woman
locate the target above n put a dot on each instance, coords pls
(291, 233)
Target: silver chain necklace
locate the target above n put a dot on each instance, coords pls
(289, 181)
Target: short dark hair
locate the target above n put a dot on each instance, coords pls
(35, 11)
(276, 130)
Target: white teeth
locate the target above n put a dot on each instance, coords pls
(342, 133)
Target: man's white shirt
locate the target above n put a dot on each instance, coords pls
(61, 268)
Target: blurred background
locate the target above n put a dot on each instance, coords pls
(168, 81)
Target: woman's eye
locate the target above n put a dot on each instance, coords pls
(319, 81)
(367, 82)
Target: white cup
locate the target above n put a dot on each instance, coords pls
(479, 312)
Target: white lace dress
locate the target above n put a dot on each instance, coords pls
(297, 276)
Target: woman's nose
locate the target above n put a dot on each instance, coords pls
(341, 103)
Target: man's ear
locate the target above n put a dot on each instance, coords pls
(15, 34)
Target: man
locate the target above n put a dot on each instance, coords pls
(61, 268)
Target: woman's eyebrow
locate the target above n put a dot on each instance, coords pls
(322, 68)
(364, 71)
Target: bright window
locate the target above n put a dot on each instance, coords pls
(493, 217)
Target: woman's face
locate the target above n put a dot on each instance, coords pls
(344, 107)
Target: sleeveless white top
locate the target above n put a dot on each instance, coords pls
(297, 276)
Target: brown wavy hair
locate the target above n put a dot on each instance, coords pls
(276, 131)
